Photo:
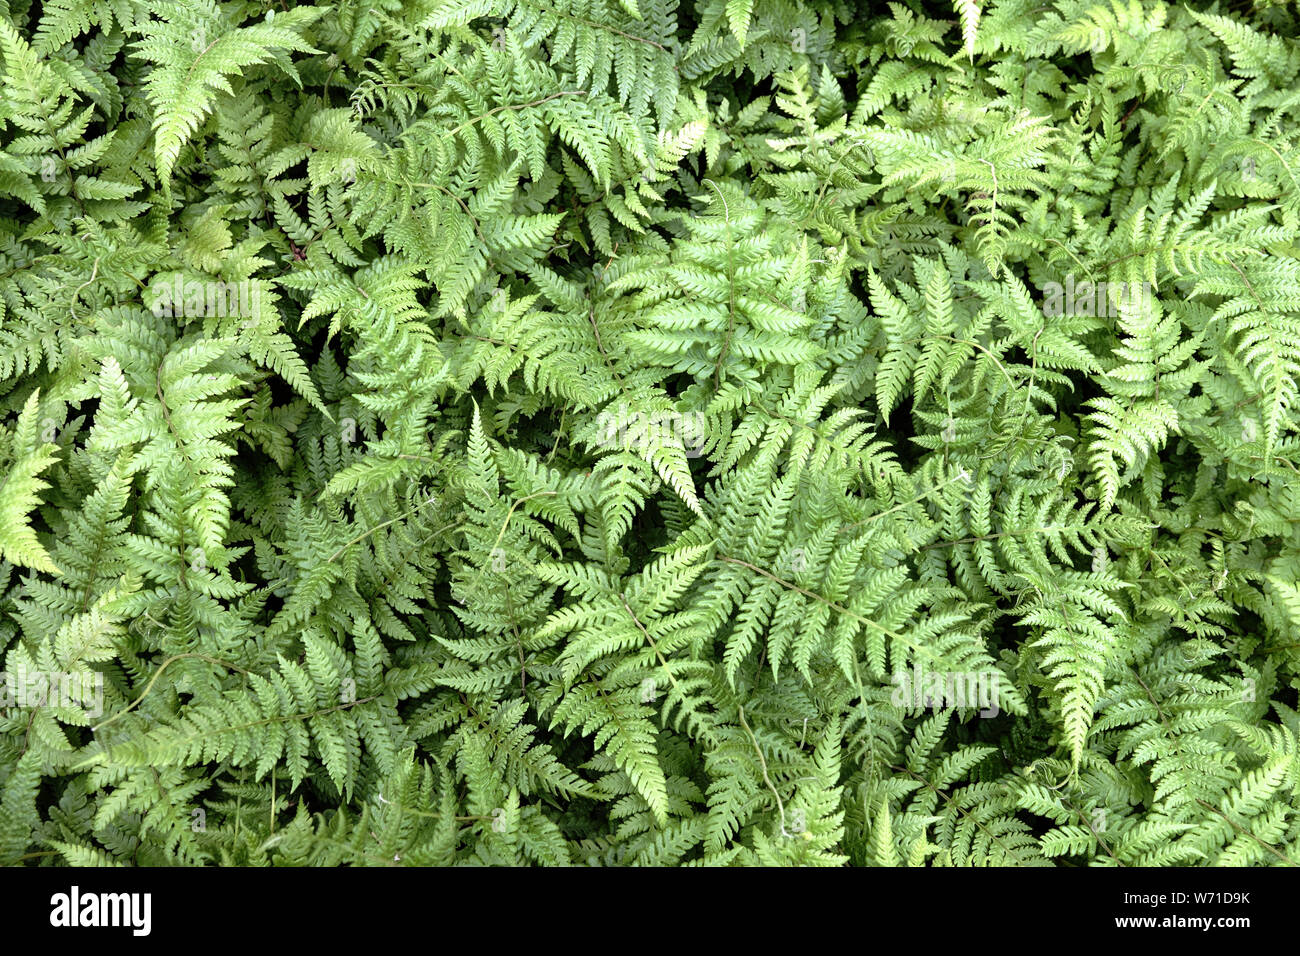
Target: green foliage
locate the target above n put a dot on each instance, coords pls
(649, 432)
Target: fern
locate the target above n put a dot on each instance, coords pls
(649, 433)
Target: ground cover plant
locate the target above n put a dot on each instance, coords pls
(649, 432)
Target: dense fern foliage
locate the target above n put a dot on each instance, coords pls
(650, 432)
